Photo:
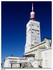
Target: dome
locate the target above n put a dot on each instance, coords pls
(32, 12)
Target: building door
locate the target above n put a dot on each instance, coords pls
(11, 65)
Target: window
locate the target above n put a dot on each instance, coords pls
(35, 38)
(38, 33)
(32, 24)
(36, 42)
(35, 30)
(50, 44)
(32, 45)
(32, 32)
(37, 26)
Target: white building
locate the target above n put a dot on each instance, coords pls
(32, 32)
(37, 54)
(47, 58)
(14, 62)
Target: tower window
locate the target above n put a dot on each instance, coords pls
(38, 33)
(37, 26)
(32, 45)
(31, 32)
(33, 29)
(36, 42)
(37, 30)
(32, 24)
(35, 38)
(50, 44)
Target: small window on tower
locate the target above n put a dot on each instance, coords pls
(37, 30)
(38, 33)
(37, 26)
(35, 38)
(32, 45)
(33, 29)
(50, 44)
(32, 24)
(31, 32)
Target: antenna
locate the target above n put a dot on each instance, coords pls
(32, 7)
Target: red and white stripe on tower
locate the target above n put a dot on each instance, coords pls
(32, 14)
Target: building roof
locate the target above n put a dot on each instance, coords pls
(16, 58)
(38, 44)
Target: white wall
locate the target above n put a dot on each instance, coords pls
(7, 63)
(32, 34)
(47, 58)
(48, 42)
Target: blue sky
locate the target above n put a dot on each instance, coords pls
(15, 16)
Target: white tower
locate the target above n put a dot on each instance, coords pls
(32, 32)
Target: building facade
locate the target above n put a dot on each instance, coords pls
(37, 54)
